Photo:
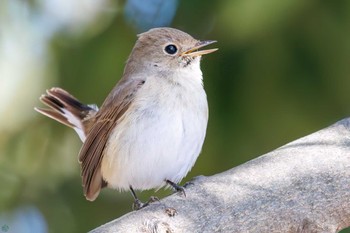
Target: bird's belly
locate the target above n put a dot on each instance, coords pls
(153, 146)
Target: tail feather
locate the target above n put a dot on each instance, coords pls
(58, 116)
(67, 110)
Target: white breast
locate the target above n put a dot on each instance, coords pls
(160, 136)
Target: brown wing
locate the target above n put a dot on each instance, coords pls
(91, 153)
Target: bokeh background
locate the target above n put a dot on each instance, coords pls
(282, 71)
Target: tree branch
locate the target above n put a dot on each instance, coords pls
(303, 186)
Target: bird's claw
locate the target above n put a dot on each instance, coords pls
(137, 205)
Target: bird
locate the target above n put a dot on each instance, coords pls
(149, 131)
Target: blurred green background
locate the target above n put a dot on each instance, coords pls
(281, 72)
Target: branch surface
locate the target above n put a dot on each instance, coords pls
(303, 186)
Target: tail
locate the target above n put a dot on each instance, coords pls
(67, 110)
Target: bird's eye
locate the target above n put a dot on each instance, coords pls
(170, 49)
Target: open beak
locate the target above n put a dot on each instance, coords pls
(194, 52)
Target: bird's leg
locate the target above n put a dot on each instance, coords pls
(176, 187)
(137, 205)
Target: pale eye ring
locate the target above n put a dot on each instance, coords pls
(170, 49)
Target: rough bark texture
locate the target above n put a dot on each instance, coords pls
(303, 186)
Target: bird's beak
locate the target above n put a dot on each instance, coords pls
(194, 52)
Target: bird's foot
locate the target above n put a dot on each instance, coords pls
(177, 188)
(152, 199)
(189, 183)
(137, 205)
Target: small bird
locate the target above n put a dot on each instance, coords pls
(150, 129)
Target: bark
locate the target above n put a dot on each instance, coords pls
(303, 186)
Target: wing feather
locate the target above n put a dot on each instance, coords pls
(92, 151)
